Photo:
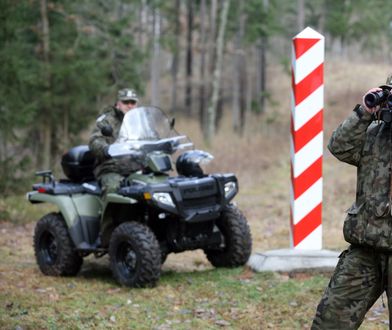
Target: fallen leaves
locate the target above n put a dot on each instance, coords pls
(51, 293)
(247, 274)
(113, 290)
(222, 323)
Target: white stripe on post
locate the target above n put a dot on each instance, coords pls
(307, 139)
(308, 107)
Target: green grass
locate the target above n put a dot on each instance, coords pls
(211, 299)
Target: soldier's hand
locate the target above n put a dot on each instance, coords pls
(374, 109)
(106, 152)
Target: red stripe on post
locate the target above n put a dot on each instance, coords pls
(307, 225)
(307, 178)
(291, 224)
(303, 45)
(308, 131)
(309, 84)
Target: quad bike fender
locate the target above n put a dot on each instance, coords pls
(81, 213)
(112, 203)
(118, 199)
(63, 202)
(113, 199)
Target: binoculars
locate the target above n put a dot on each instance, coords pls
(377, 98)
(384, 99)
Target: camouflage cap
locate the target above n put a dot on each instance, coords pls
(127, 94)
(388, 83)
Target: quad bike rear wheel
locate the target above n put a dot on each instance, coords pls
(54, 249)
(135, 255)
(236, 237)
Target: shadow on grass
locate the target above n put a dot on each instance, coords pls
(201, 277)
(99, 270)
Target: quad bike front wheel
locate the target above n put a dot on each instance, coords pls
(237, 240)
(54, 249)
(135, 256)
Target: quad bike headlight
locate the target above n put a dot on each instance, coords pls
(164, 198)
(230, 189)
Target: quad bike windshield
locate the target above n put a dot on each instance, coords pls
(147, 129)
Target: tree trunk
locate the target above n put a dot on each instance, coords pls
(321, 21)
(189, 59)
(243, 92)
(219, 107)
(142, 24)
(238, 113)
(46, 122)
(65, 138)
(263, 64)
(155, 67)
(211, 57)
(174, 69)
(202, 96)
(262, 51)
(212, 37)
(250, 83)
(301, 14)
(217, 72)
(3, 147)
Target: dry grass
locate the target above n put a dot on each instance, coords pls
(261, 161)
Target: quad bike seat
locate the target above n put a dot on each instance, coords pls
(65, 187)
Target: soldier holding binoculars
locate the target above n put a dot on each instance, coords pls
(364, 270)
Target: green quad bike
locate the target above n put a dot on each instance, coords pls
(151, 215)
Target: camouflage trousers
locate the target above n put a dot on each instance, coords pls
(110, 182)
(361, 276)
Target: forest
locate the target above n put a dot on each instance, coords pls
(61, 62)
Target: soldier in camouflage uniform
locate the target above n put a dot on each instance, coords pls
(111, 171)
(364, 270)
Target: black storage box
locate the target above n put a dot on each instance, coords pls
(78, 164)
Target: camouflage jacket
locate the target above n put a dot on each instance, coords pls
(366, 144)
(98, 142)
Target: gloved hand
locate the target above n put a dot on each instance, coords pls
(377, 107)
(106, 152)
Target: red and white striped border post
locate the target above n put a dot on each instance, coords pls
(307, 140)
